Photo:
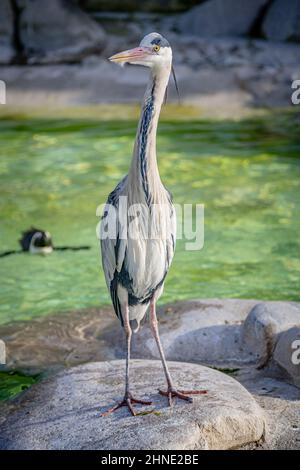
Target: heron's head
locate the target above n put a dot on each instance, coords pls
(154, 51)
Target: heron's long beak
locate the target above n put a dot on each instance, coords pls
(132, 55)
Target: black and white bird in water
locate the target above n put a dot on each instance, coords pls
(36, 241)
(136, 265)
(39, 242)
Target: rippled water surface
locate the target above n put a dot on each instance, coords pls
(55, 171)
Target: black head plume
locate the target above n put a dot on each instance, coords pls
(176, 86)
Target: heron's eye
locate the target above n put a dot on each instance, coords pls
(156, 48)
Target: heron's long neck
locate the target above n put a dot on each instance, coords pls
(144, 172)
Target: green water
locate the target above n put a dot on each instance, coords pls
(55, 171)
(12, 383)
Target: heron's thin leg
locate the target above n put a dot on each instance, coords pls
(128, 333)
(128, 399)
(154, 328)
(172, 391)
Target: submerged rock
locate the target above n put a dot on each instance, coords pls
(63, 412)
(57, 341)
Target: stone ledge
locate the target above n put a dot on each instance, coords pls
(63, 412)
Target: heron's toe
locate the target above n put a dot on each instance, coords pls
(128, 401)
(181, 394)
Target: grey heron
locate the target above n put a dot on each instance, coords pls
(135, 267)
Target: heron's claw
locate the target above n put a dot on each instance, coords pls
(182, 394)
(128, 401)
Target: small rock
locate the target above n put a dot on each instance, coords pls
(63, 412)
(263, 325)
(287, 354)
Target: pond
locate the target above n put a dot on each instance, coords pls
(55, 171)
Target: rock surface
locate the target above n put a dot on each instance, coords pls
(228, 333)
(68, 339)
(263, 325)
(57, 31)
(281, 404)
(224, 332)
(206, 331)
(221, 18)
(7, 51)
(63, 412)
(282, 22)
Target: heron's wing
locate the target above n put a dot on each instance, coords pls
(113, 248)
(171, 242)
(147, 261)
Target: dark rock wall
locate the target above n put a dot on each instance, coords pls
(7, 51)
(66, 31)
(165, 6)
(282, 23)
(57, 31)
(221, 18)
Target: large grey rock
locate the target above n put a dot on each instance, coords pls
(287, 354)
(57, 31)
(63, 412)
(282, 22)
(263, 325)
(206, 331)
(231, 332)
(221, 17)
(224, 332)
(7, 50)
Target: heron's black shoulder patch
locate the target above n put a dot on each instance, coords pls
(113, 197)
(160, 42)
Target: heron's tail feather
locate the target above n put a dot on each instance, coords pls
(138, 323)
(136, 315)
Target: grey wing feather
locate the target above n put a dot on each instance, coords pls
(113, 249)
(171, 244)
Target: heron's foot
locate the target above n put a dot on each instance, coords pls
(182, 394)
(128, 401)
